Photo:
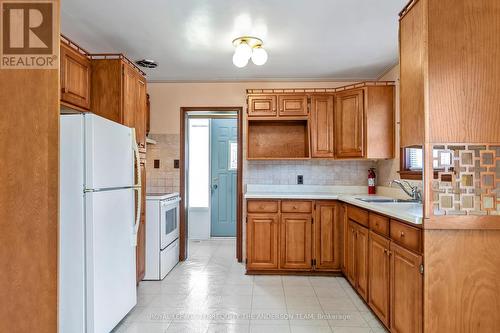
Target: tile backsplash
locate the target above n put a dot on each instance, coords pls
(166, 177)
(315, 172)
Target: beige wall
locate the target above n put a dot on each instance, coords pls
(168, 98)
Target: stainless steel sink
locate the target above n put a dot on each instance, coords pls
(383, 200)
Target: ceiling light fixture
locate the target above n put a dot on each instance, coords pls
(247, 47)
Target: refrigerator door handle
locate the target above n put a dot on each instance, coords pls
(138, 188)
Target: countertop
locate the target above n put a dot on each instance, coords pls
(409, 212)
(161, 196)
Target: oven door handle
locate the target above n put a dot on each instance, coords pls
(137, 188)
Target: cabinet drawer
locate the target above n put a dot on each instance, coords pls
(379, 224)
(262, 206)
(406, 236)
(296, 206)
(357, 215)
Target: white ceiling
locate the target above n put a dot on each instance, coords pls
(191, 39)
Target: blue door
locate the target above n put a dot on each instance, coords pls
(224, 143)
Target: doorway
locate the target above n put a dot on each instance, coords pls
(211, 175)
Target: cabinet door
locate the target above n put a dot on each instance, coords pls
(140, 251)
(351, 252)
(349, 124)
(379, 276)
(412, 47)
(361, 255)
(262, 241)
(262, 106)
(327, 236)
(295, 241)
(345, 232)
(75, 78)
(322, 130)
(129, 103)
(141, 109)
(406, 291)
(292, 105)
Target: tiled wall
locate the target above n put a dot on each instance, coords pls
(468, 179)
(315, 172)
(165, 178)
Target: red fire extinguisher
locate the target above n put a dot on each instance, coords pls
(371, 181)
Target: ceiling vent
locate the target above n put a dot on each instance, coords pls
(147, 63)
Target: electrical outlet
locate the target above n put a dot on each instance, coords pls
(156, 164)
(176, 164)
(300, 179)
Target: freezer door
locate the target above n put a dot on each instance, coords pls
(111, 278)
(71, 226)
(109, 156)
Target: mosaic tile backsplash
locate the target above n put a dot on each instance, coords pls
(468, 179)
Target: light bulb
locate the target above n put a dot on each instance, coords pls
(243, 50)
(239, 61)
(259, 56)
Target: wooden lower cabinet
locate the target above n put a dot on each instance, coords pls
(350, 252)
(406, 291)
(292, 235)
(140, 251)
(379, 276)
(262, 241)
(361, 254)
(327, 236)
(357, 257)
(295, 241)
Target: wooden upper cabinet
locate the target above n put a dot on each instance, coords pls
(327, 237)
(75, 77)
(322, 126)
(262, 241)
(411, 48)
(262, 106)
(148, 114)
(379, 276)
(292, 105)
(349, 120)
(119, 94)
(406, 291)
(295, 241)
(130, 95)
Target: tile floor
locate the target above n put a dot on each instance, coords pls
(211, 293)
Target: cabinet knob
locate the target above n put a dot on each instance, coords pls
(376, 224)
(402, 234)
(294, 207)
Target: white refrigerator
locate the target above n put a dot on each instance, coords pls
(98, 223)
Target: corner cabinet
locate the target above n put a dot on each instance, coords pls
(75, 77)
(349, 119)
(364, 123)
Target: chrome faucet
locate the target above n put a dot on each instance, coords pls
(408, 188)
